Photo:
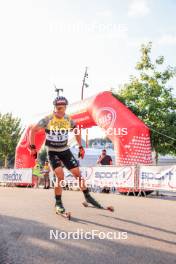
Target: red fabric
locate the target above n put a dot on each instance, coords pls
(105, 111)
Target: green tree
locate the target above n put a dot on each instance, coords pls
(10, 132)
(149, 96)
(1, 162)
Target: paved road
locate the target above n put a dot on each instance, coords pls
(27, 220)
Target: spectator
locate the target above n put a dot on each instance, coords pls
(104, 159)
(37, 173)
(46, 171)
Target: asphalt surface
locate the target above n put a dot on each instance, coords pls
(31, 232)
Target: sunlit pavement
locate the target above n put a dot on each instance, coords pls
(31, 232)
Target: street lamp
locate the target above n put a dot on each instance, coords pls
(58, 90)
(85, 85)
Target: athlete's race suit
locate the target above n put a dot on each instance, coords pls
(57, 130)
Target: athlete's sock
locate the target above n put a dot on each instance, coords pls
(90, 199)
(58, 199)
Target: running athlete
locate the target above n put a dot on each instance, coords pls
(57, 125)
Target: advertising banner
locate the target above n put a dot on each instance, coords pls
(106, 176)
(16, 176)
(158, 177)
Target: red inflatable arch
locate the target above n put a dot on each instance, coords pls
(130, 136)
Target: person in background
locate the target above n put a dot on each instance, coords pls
(104, 159)
(37, 173)
(46, 171)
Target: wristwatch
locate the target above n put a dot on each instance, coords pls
(32, 146)
(80, 147)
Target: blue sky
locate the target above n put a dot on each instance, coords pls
(50, 42)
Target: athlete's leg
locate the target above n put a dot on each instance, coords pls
(59, 173)
(77, 174)
(60, 176)
(72, 165)
(58, 190)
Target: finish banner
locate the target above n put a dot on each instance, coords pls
(157, 177)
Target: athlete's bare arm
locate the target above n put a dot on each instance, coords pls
(34, 129)
(78, 139)
(77, 133)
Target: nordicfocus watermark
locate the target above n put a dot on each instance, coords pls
(106, 118)
(56, 131)
(93, 27)
(86, 183)
(79, 234)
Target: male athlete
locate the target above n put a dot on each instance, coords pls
(57, 125)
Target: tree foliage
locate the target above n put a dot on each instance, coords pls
(149, 96)
(10, 132)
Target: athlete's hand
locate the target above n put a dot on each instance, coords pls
(81, 152)
(33, 151)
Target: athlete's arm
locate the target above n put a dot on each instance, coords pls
(78, 139)
(33, 151)
(77, 132)
(42, 124)
(33, 131)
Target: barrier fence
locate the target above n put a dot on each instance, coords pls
(15, 176)
(157, 178)
(132, 177)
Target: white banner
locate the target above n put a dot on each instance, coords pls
(158, 177)
(16, 175)
(106, 176)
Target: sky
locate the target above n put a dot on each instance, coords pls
(50, 42)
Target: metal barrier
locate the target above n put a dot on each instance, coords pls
(11, 177)
(135, 179)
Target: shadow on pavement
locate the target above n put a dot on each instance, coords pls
(162, 197)
(140, 224)
(26, 241)
(124, 230)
